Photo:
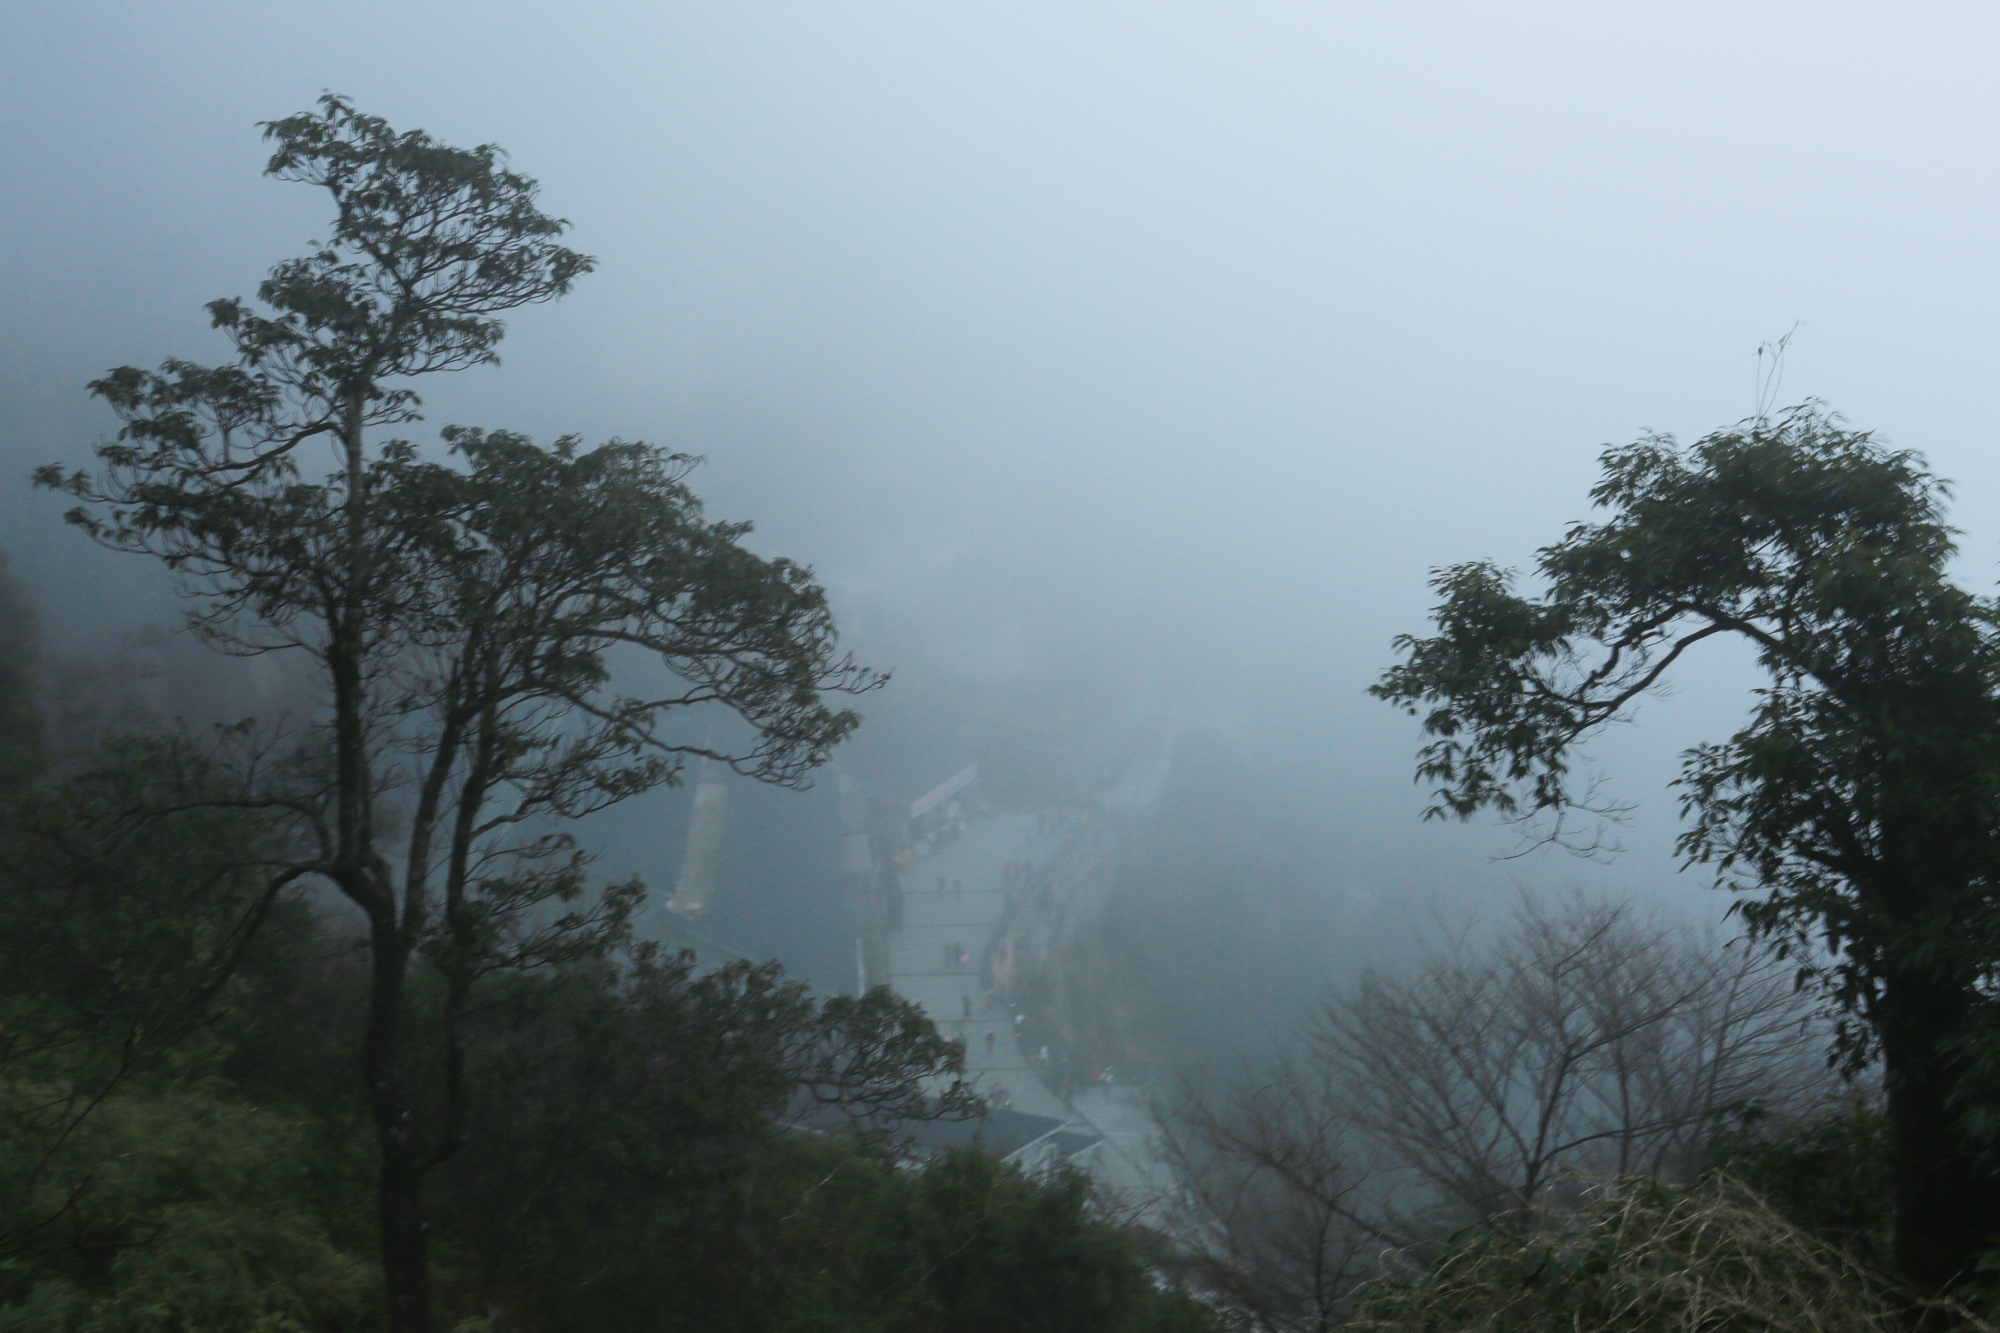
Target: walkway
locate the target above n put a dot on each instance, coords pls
(935, 960)
(942, 927)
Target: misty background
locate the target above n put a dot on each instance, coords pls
(1121, 368)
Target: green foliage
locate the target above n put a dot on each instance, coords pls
(429, 245)
(1857, 810)
(822, 1235)
(631, 1093)
(533, 563)
(131, 882)
(129, 892)
(1826, 1173)
(185, 1211)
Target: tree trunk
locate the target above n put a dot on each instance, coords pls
(406, 1271)
(1946, 1205)
(399, 1208)
(399, 1203)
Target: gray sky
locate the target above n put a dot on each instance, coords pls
(1187, 336)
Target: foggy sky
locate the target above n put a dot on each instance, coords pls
(1184, 338)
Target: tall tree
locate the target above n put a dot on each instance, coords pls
(1858, 808)
(461, 616)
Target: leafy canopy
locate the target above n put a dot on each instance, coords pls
(430, 245)
(1859, 798)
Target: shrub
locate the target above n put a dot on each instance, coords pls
(1639, 1257)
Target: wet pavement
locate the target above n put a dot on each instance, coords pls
(953, 902)
(941, 927)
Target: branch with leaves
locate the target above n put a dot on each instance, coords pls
(1857, 810)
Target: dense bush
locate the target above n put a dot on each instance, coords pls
(819, 1234)
(1639, 1257)
(183, 1147)
(1825, 1171)
(185, 1211)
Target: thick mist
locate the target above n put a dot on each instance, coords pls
(1121, 368)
